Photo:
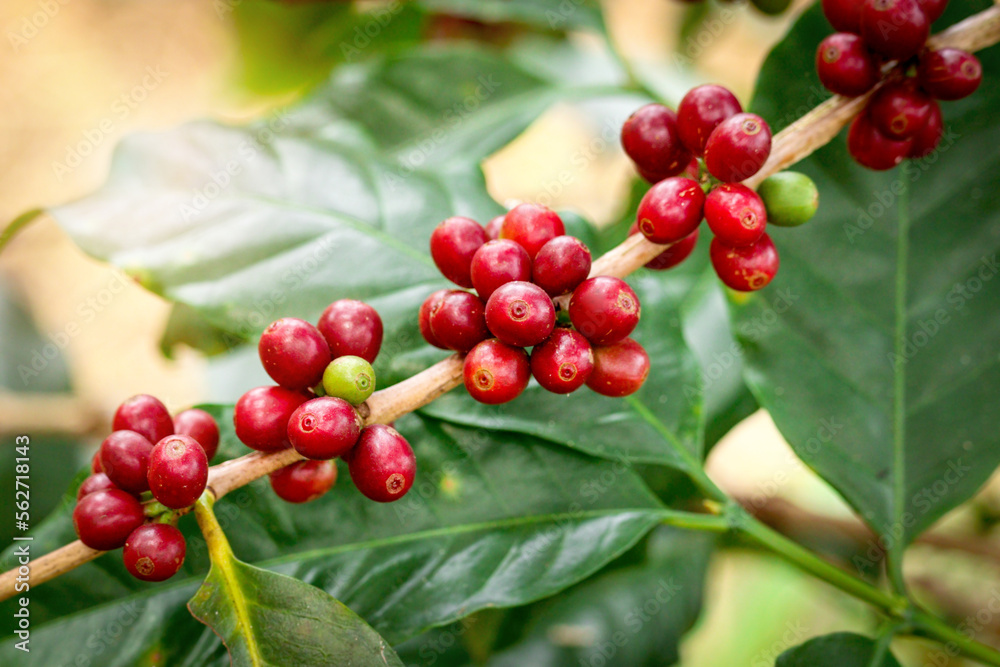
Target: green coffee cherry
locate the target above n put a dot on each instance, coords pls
(350, 378)
(771, 7)
(790, 198)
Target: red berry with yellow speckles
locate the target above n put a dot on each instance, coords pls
(495, 372)
(928, 137)
(352, 328)
(458, 321)
(125, 460)
(96, 482)
(872, 149)
(845, 65)
(424, 317)
(619, 369)
(453, 243)
(671, 210)
(651, 139)
(563, 363)
(201, 426)
(949, 74)
(178, 471)
(604, 309)
(561, 265)
(382, 464)
(701, 111)
(738, 147)
(520, 314)
(145, 415)
(735, 214)
(746, 268)
(154, 552)
(896, 29)
(899, 109)
(104, 519)
(531, 226)
(324, 428)
(498, 263)
(843, 15)
(261, 417)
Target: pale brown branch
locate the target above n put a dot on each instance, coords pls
(792, 144)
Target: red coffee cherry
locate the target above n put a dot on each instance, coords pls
(352, 328)
(303, 481)
(928, 137)
(324, 428)
(899, 109)
(125, 460)
(843, 15)
(201, 426)
(735, 214)
(458, 321)
(676, 253)
(933, 9)
(294, 353)
(701, 111)
(651, 139)
(531, 226)
(495, 372)
(497, 263)
(846, 66)
(104, 519)
(619, 369)
(738, 147)
(178, 471)
(382, 464)
(604, 309)
(949, 74)
(154, 552)
(671, 210)
(563, 363)
(424, 317)
(453, 243)
(870, 148)
(95, 462)
(96, 482)
(747, 268)
(493, 228)
(561, 265)
(895, 28)
(520, 314)
(261, 417)
(145, 415)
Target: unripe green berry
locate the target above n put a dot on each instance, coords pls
(350, 378)
(790, 198)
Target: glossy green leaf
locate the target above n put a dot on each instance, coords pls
(902, 426)
(836, 650)
(265, 618)
(494, 520)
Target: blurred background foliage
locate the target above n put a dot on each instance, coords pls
(91, 71)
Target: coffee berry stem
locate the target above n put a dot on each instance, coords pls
(794, 143)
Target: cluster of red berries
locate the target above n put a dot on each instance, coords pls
(903, 119)
(518, 264)
(323, 373)
(733, 145)
(114, 505)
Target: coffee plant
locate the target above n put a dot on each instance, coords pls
(515, 401)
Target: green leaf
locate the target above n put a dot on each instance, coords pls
(836, 650)
(493, 520)
(635, 615)
(902, 426)
(265, 618)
